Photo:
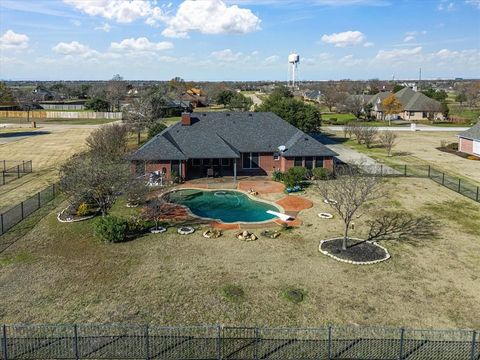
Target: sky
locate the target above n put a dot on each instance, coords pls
(238, 39)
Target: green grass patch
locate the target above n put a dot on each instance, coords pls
(294, 295)
(465, 214)
(23, 257)
(233, 292)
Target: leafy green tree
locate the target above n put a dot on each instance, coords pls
(240, 102)
(97, 104)
(155, 129)
(397, 88)
(304, 116)
(461, 98)
(224, 97)
(440, 95)
(6, 95)
(445, 110)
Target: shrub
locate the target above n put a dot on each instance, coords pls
(111, 228)
(83, 209)
(277, 175)
(321, 173)
(136, 192)
(294, 176)
(176, 177)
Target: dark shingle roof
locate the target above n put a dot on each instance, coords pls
(226, 135)
(473, 133)
(416, 101)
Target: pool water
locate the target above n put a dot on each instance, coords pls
(224, 205)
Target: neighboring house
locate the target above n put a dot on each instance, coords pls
(415, 106)
(312, 95)
(230, 143)
(469, 140)
(195, 100)
(177, 107)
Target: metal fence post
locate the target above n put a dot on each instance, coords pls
(75, 342)
(219, 342)
(1, 223)
(478, 193)
(428, 170)
(474, 335)
(459, 184)
(402, 336)
(3, 177)
(39, 200)
(23, 165)
(18, 171)
(405, 170)
(4, 342)
(21, 207)
(255, 354)
(147, 344)
(443, 178)
(381, 169)
(329, 343)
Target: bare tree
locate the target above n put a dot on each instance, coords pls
(108, 141)
(115, 91)
(94, 180)
(349, 191)
(25, 100)
(354, 104)
(367, 135)
(400, 225)
(387, 139)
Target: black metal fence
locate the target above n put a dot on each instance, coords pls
(234, 343)
(11, 170)
(454, 183)
(14, 215)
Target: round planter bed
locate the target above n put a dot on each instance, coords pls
(323, 215)
(185, 230)
(157, 230)
(212, 233)
(70, 219)
(359, 252)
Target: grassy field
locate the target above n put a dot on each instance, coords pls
(47, 151)
(420, 148)
(63, 273)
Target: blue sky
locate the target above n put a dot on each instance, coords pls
(238, 39)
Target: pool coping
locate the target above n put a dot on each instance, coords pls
(228, 223)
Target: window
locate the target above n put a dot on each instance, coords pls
(206, 161)
(216, 162)
(225, 162)
(298, 161)
(276, 155)
(175, 166)
(250, 160)
(411, 113)
(309, 162)
(319, 162)
(196, 162)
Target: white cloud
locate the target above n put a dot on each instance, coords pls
(10, 40)
(122, 11)
(226, 55)
(398, 54)
(72, 48)
(409, 38)
(271, 60)
(349, 60)
(210, 17)
(343, 39)
(368, 44)
(105, 27)
(76, 22)
(475, 3)
(445, 5)
(140, 44)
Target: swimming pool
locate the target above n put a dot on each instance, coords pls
(227, 206)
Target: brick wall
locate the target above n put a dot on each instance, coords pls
(465, 145)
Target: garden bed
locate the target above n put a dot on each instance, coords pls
(358, 251)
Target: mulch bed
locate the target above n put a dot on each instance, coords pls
(451, 150)
(358, 251)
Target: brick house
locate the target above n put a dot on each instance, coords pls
(469, 140)
(230, 143)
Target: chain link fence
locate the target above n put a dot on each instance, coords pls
(14, 215)
(11, 170)
(234, 343)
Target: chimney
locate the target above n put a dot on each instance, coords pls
(186, 119)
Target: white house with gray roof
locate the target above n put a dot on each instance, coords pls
(469, 140)
(230, 143)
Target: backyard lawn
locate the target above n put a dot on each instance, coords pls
(63, 273)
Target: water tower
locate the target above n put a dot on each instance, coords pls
(293, 61)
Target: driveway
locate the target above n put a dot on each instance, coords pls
(407, 128)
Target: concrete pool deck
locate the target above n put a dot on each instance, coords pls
(267, 190)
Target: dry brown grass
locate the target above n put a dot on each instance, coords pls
(62, 273)
(47, 152)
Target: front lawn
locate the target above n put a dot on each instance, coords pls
(63, 273)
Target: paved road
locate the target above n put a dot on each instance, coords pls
(407, 128)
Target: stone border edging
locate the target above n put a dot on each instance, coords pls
(73, 220)
(387, 254)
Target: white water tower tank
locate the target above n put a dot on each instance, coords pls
(293, 58)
